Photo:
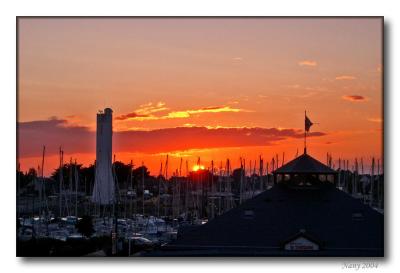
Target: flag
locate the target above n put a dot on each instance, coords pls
(307, 124)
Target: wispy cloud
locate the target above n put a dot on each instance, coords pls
(149, 108)
(345, 78)
(307, 95)
(308, 88)
(305, 91)
(238, 59)
(293, 86)
(145, 111)
(354, 98)
(148, 112)
(216, 109)
(377, 120)
(307, 63)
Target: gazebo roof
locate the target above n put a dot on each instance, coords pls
(304, 164)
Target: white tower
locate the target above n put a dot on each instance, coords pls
(104, 188)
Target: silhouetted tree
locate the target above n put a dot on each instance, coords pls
(139, 170)
(137, 174)
(87, 174)
(67, 170)
(32, 173)
(26, 180)
(122, 172)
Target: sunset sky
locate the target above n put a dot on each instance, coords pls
(199, 87)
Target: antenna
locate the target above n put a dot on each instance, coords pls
(180, 168)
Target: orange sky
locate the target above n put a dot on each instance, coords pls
(205, 87)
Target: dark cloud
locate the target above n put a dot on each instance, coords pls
(130, 115)
(212, 108)
(183, 138)
(354, 98)
(77, 139)
(53, 133)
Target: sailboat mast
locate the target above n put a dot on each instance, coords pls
(379, 186)
(212, 177)
(143, 187)
(131, 185)
(166, 169)
(42, 188)
(76, 188)
(241, 181)
(159, 191)
(60, 174)
(372, 181)
(180, 168)
(44, 150)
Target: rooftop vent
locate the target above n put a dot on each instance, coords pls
(248, 214)
(357, 216)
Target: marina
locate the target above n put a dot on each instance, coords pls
(153, 211)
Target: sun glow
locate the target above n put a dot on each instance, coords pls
(198, 167)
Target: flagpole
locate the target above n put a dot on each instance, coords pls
(305, 133)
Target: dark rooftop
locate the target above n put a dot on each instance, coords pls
(340, 224)
(304, 164)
